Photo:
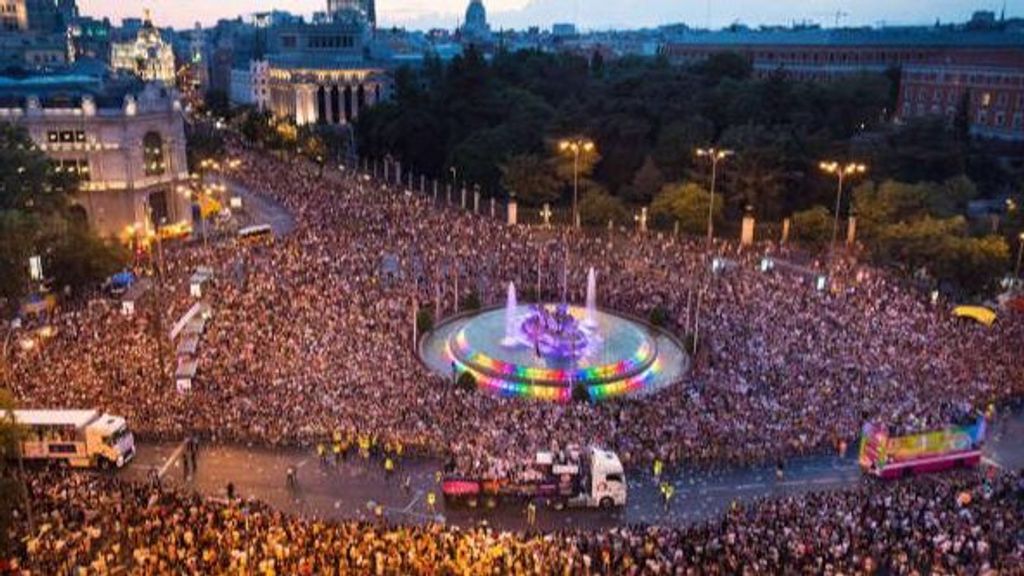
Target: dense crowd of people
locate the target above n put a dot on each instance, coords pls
(311, 337)
(955, 524)
(311, 341)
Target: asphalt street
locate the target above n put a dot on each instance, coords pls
(355, 487)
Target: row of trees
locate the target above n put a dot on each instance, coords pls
(38, 219)
(498, 124)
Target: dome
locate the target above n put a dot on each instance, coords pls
(476, 15)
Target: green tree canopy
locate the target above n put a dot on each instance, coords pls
(687, 204)
(531, 179)
(597, 207)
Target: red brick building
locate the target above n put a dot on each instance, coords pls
(989, 83)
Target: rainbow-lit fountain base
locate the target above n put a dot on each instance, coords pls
(543, 353)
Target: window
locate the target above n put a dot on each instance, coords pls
(63, 449)
(153, 154)
(80, 136)
(986, 99)
(288, 41)
(67, 136)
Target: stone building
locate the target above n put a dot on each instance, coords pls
(321, 73)
(147, 56)
(128, 147)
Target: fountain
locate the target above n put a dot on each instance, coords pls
(591, 317)
(546, 350)
(511, 329)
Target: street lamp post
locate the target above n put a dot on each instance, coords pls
(715, 155)
(841, 172)
(576, 146)
(1020, 256)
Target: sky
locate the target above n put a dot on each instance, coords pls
(587, 14)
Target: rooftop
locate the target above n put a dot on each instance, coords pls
(924, 37)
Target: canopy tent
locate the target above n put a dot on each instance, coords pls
(979, 314)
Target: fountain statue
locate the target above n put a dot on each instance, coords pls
(511, 329)
(590, 320)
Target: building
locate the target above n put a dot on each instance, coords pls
(90, 38)
(13, 16)
(147, 56)
(475, 29)
(34, 51)
(46, 16)
(250, 85)
(322, 73)
(127, 143)
(986, 86)
(813, 53)
(366, 8)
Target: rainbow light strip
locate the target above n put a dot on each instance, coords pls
(640, 361)
(552, 393)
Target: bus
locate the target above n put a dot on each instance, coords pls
(896, 456)
(260, 233)
(77, 438)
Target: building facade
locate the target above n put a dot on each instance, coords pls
(988, 87)
(129, 151)
(820, 55)
(321, 73)
(147, 56)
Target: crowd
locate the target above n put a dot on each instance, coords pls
(312, 337)
(954, 524)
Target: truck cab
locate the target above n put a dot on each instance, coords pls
(608, 479)
(109, 442)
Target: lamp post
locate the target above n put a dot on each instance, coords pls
(1020, 256)
(576, 146)
(841, 172)
(715, 155)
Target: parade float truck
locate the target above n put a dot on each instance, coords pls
(896, 456)
(78, 438)
(590, 478)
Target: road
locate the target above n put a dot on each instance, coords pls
(262, 210)
(353, 488)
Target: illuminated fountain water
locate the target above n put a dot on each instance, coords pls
(511, 327)
(545, 351)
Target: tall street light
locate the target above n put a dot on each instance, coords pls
(576, 146)
(1020, 256)
(715, 155)
(841, 172)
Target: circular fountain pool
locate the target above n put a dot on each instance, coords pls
(545, 351)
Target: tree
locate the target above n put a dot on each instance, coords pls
(257, 127)
(722, 65)
(12, 490)
(218, 104)
(687, 204)
(204, 141)
(646, 183)
(36, 220)
(598, 207)
(813, 226)
(531, 179)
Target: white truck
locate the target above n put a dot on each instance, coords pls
(78, 438)
(587, 478)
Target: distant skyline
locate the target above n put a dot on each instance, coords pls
(587, 14)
